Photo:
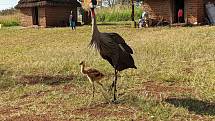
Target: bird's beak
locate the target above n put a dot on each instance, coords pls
(81, 63)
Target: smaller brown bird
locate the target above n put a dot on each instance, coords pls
(92, 74)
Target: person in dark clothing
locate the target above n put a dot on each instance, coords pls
(72, 21)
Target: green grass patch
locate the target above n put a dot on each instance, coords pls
(117, 13)
(10, 20)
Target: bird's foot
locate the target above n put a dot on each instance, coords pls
(115, 101)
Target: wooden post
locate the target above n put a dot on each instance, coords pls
(132, 14)
(132, 11)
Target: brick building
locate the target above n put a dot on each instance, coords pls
(193, 10)
(47, 13)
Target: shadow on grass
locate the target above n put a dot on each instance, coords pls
(102, 110)
(2, 72)
(197, 106)
(46, 79)
(114, 23)
(6, 80)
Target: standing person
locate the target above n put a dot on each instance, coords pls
(144, 14)
(143, 22)
(72, 21)
(180, 15)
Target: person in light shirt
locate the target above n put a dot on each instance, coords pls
(143, 20)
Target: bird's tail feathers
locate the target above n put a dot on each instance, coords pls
(91, 44)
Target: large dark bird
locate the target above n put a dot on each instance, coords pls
(112, 47)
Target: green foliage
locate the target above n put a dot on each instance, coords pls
(118, 13)
(10, 20)
(10, 23)
(10, 11)
(9, 17)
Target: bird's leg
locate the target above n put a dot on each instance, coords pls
(115, 82)
(104, 95)
(93, 88)
(112, 85)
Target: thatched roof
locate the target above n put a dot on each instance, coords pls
(34, 3)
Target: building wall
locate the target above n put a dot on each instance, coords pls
(59, 16)
(201, 11)
(194, 10)
(42, 16)
(48, 16)
(26, 17)
(158, 8)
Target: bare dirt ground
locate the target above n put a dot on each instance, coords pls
(160, 91)
(156, 91)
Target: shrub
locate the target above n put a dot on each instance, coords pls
(10, 11)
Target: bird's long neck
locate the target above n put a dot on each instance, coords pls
(82, 69)
(94, 25)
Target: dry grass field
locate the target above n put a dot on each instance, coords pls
(40, 78)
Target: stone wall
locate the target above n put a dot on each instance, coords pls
(26, 17)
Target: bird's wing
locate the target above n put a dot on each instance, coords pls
(125, 59)
(121, 42)
(94, 72)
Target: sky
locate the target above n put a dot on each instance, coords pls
(5, 4)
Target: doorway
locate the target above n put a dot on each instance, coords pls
(35, 16)
(178, 4)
